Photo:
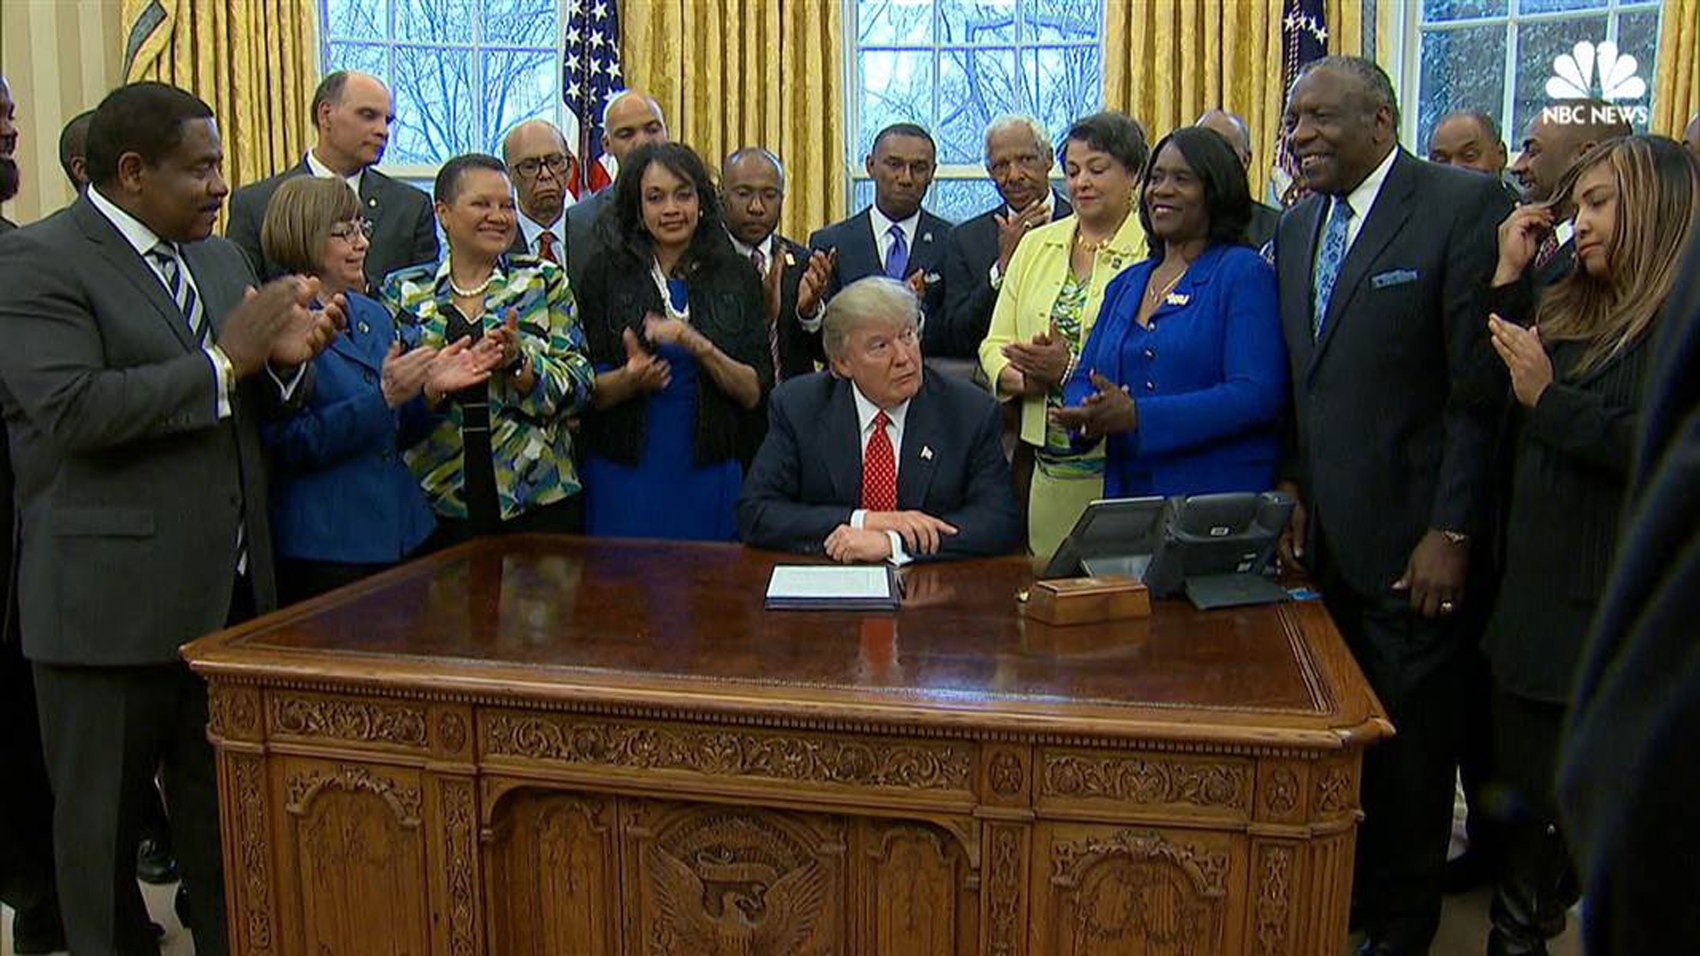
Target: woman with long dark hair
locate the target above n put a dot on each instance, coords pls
(678, 338)
(1576, 359)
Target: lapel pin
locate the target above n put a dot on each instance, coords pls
(926, 453)
(790, 260)
(1176, 298)
(373, 202)
(926, 237)
(364, 328)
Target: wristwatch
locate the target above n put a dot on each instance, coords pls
(517, 366)
(1454, 537)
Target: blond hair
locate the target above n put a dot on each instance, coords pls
(299, 220)
(1656, 200)
(866, 300)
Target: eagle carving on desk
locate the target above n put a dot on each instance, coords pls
(740, 909)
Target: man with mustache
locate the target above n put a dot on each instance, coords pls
(353, 114)
(1382, 271)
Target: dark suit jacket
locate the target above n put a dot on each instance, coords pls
(6, 225)
(404, 228)
(859, 258)
(1390, 438)
(1261, 229)
(129, 485)
(583, 240)
(968, 294)
(799, 349)
(807, 478)
(1628, 774)
(341, 491)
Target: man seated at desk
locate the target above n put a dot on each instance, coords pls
(877, 460)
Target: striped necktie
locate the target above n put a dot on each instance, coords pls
(181, 289)
(759, 260)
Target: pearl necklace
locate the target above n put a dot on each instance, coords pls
(469, 293)
(655, 273)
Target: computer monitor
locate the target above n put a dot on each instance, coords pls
(1112, 536)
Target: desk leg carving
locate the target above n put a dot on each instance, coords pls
(247, 863)
(1006, 897)
(460, 861)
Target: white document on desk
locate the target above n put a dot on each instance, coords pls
(824, 587)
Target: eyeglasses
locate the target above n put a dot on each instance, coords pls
(346, 231)
(555, 162)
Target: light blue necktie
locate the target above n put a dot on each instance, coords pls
(897, 258)
(1328, 262)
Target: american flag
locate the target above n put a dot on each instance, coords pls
(589, 76)
(1304, 37)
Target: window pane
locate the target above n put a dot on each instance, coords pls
(1063, 84)
(436, 114)
(1053, 21)
(518, 85)
(434, 21)
(520, 22)
(365, 57)
(960, 199)
(1437, 11)
(862, 195)
(357, 19)
(974, 86)
(1638, 36)
(893, 22)
(1558, 6)
(1462, 69)
(897, 87)
(977, 21)
(1538, 47)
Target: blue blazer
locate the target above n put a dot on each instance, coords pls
(807, 478)
(340, 490)
(1209, 377)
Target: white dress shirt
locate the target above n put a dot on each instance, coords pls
(882, 232)
(325, 172)
(1362, 199)
(744, 250)
(530, 229)
(865, 412)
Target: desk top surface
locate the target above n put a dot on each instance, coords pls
(646, 625)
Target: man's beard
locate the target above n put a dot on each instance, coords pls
(9, 178)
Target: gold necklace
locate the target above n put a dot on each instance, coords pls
(1154, 299)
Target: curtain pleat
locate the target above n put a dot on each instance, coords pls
(1676, 83)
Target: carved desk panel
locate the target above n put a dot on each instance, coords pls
(543, 745)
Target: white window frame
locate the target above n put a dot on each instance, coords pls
(854, 165)
(428, 171)
(1405, 66)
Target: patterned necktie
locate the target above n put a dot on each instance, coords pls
(897, 257)
(760, 262)
(546, 247)
(182, 291)
(1328, 262)
(879, 469)
(1548, 249)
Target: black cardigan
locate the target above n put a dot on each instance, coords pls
(1569, 468)
(726, 306)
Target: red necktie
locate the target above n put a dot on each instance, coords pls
(546, 247)
(760, 262)
(1548, 248)
(879, 469)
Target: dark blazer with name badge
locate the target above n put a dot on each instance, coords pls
(130, 486)
(859, 257)
(584, 242)
(1392, 434)
(404, 227)
(799, 349)
(807, 477)
(969, 297)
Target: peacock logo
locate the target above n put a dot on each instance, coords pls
(1574, 73)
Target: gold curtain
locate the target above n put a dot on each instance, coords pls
(1168, 61)
(736, 73)
(255, 62)
(1676, 85)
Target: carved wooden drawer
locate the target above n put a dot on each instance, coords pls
(1128, 784)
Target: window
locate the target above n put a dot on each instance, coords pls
(461, 71)
(1497, 56)
(954, 65)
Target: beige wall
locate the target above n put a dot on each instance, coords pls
(59, 57)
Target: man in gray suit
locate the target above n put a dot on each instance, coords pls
(353, 113)
(138, 358)
(629, 121)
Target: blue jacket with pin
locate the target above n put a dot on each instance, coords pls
(340, 490)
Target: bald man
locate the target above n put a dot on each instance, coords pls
(1232, 127)
(1555, 139)
(352, 113)
(541, 165)
(631, 119)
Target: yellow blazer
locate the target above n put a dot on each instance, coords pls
(1036, 274)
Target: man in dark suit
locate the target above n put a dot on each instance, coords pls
(878, 460)
(1019, 159)
(752, 190)
(353, 113)
(895, 237)
(1557, 136)
(1629, 772)
(630, 120)
(541, 165)
(130, 393)
(1232, 127)
(1381, 274)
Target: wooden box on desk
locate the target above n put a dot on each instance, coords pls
(1088, 600)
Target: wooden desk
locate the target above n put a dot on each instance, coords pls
(565, 746)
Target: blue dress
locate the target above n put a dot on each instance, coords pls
(667, 494)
